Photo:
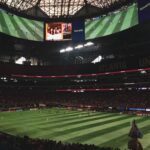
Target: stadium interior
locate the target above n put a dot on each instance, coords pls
(74, 74)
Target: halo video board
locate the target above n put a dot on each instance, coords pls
(57, 31)
(111, 23)
(20, 27)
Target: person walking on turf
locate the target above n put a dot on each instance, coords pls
(135, 133)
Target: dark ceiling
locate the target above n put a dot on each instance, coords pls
(62, 8)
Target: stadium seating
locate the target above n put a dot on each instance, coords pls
(8, 142)
(27, 98)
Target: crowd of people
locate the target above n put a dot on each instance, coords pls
(115, 99)
(9, 142)
(25, 99)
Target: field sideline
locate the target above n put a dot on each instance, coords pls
(99, 128)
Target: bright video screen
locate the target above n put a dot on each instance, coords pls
(112, 23)
(21, 27)
(58, 31)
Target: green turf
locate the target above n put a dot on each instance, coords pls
(99, 128)
(112, 23)
(21, 27)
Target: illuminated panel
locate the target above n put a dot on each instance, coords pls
(85, 90)
(20, 27)
(58, 31)
(137, 109)
(81, 75)
(111, 23)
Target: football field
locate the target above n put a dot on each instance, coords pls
(99, 128)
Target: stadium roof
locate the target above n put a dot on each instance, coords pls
(57, 8)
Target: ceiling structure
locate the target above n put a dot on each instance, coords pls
(59, 8)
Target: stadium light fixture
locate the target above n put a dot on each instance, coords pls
(144, 88)
(89, 44)
(68, 49)
(20, 60)
(62, 51)
(79, 46)
(147, 109)
(98, 59)
(143, 72)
